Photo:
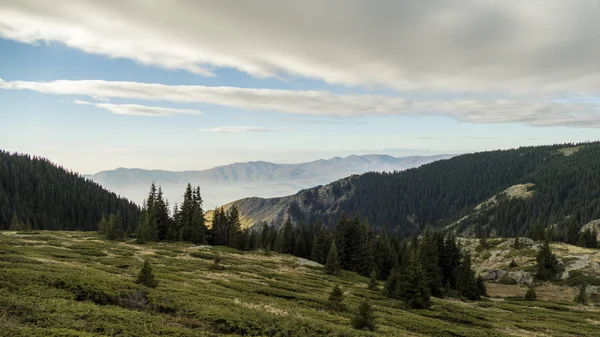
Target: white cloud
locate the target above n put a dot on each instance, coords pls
(489, 46)
(322, 103)
(241, 129)
(138, 110)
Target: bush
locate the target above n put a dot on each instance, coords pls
(530, 295)
(216, 263)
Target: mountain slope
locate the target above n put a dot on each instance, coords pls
(81, 285)
(49, 197)
(230, 182)
(566, 181)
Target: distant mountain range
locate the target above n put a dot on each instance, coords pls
(503, 193)
(262, 179)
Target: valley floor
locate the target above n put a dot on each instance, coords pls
(75, 284)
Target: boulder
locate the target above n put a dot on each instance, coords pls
(494, 275)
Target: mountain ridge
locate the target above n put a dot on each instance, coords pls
(564, 180)
(224, 183)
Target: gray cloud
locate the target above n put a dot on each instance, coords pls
(514, 46)
(138, 110)
(323, 103)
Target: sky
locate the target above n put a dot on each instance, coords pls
(184, 85)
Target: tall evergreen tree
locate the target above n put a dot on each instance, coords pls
(547, 266)
(300, 247)
(288, 237)
(332, 265)
(572, 232)
(234, 228)
(428, 253)
(466, 281)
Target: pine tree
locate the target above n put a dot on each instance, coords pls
(466, 282)
(146, 277)
(414, 290)
(392, 284)
(332, 265)
(114, 227)
(15, 223)
(336, 298)
(300, 247)
(517, 243)
(288, 237)
(234, 228)
(373, 280)
(364, 319)
(572, 233)
(428, 254)
(481, 288)
(582, 297)
(102, 225)
(530, 295)
(219, 227)
(547, 264)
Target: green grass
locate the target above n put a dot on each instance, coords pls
(82, 286)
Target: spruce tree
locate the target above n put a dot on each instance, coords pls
(428, 254)
(572, 233)
(332, 265)
(364, 319)
(392, 284)
(146, 277)
(300, 247)
(517, 243)
(547, 265)
(234, 228)
(15, 223)
(336, 298)
(414, 290)
(288, 237)
(466, 282)
(102, 225)
(373, 280)
(582, 297)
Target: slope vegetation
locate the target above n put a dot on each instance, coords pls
(75, 284)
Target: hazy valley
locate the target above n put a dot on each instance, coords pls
(223, 184)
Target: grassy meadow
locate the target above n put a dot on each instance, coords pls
(76, 284)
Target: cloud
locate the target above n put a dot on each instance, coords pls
(138, 110)
(323, 103)
(480, 138)
(241, 129)
(523, 47)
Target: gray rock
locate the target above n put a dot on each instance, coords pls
(494, 275)
(522, 277)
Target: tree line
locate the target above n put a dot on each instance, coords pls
(442, 192)
(37, 194)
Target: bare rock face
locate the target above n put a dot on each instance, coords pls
(494, 275)
(525, 242)
(522, 277)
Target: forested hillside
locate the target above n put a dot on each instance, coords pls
(41, 195)
(566, 182)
